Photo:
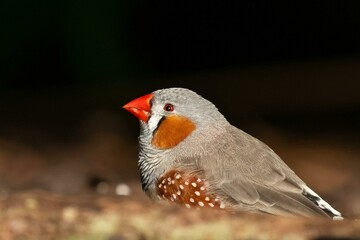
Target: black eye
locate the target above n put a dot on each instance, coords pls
(169, 107)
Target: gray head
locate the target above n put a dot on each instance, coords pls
(170, 121)
(182, 102)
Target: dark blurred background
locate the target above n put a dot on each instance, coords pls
(287, 72)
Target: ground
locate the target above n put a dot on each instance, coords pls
(42, 215)
(77, 199)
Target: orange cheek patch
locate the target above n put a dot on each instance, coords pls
(172, 131)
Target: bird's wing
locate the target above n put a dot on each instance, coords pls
(253, 177)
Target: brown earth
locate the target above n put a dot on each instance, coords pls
(75, 198)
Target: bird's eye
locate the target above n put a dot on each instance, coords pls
(169, 107)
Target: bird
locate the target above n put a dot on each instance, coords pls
(191, 155)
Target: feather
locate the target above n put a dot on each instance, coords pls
(253, 177)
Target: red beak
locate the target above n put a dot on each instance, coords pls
(140, 107)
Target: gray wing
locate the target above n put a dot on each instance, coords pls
(251, 176)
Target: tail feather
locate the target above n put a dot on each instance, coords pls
(322, 204)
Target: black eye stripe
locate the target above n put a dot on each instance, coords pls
(159, 123)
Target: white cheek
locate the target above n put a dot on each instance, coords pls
(154, 122)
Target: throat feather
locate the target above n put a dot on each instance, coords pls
(171, 131)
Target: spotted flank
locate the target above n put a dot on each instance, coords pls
(185, 189)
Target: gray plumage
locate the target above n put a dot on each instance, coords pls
(244, 172)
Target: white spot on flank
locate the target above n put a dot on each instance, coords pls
(163, 181)
(216, 199)
(202, 188)
(181, 187)
(201, 204)
(178, 176)
(207, 199)
(172, 199)
(211, 205)
(164, 187)
(187, 205)
(160, 185)
(198, 180)
(222, 205)
(174, 196)
(186, 183)
(192, 200)
(173, 182)
(197, 193)
(178, 193)
(169, 179)
(193, 184)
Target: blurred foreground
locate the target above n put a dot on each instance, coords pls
(41, 215)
